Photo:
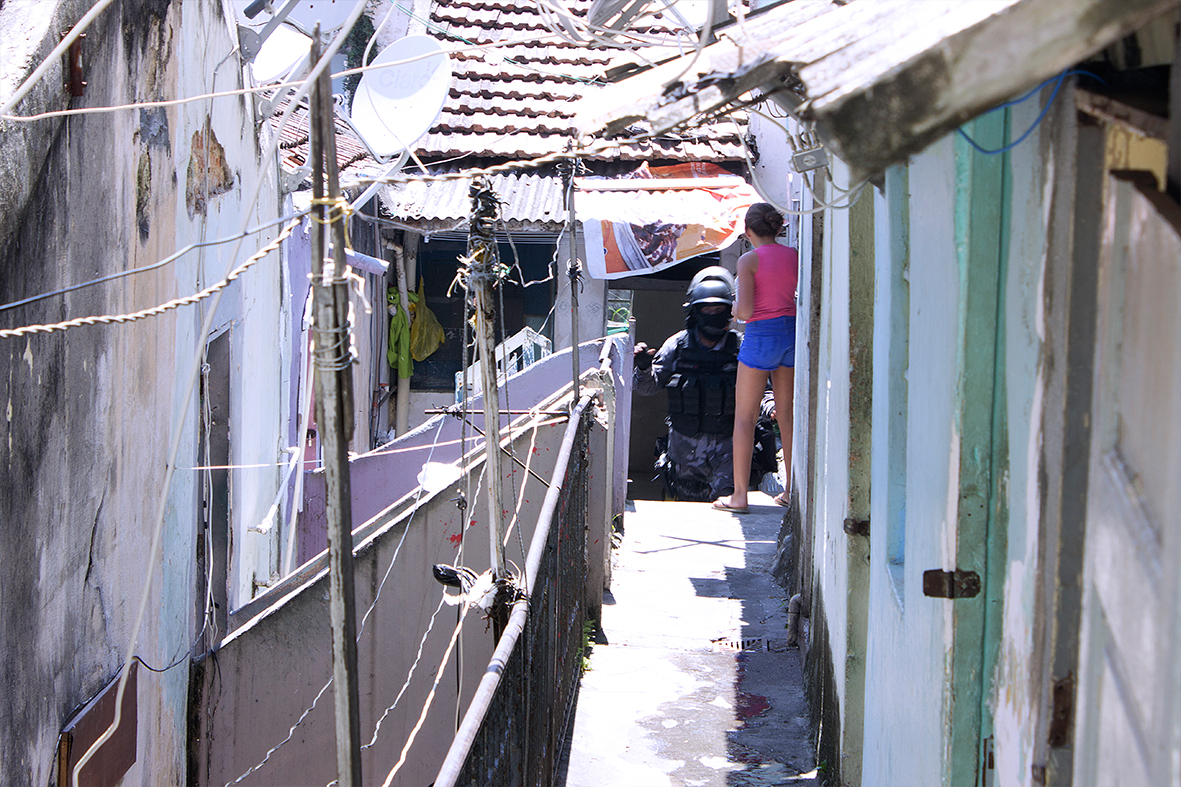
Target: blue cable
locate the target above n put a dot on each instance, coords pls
(1041, 116)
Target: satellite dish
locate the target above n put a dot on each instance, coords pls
(280, 53)
(331, 14)
(396, 105)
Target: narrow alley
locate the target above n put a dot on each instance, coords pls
(692, 681)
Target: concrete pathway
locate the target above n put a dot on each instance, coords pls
(672, 698)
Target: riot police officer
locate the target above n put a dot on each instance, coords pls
(698, 368)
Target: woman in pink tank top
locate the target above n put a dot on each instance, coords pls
(767, 278)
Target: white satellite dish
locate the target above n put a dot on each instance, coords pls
(260, 19)
(281, 52)
(396, 105)
(330, 14)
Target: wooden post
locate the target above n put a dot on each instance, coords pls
(1174, 140)
(334, 417)
(402, 400)
(482, 253)
(574, 272)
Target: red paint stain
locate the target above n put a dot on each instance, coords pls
(456, 539)
(752, 705)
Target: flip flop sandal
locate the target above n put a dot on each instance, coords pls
(718, 505)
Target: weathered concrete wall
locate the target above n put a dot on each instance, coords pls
(90, 412)
(832, 450)
(270, 670)
(908, 635)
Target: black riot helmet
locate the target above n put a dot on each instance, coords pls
(712, 285)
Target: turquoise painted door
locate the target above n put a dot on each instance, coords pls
(982, 192)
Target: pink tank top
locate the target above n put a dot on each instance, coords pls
(775, 282)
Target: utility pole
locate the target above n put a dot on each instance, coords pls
(482, 256)
(574, 273)
(333, 364)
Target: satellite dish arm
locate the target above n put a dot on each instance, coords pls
(251, 42)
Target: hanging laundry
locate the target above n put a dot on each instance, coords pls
(426, 334)
(398, 354)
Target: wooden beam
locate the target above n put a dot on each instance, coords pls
(1118, 113)
(880, 80)
(878, 115)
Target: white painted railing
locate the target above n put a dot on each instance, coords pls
(522, 349)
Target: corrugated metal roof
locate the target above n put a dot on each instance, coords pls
(528, 199)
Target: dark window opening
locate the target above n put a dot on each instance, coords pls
(528, 306)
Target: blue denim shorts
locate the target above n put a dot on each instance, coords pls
(769, 344)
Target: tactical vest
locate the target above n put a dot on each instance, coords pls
(701, 389)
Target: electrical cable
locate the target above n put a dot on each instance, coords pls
(758, 187)
(178, 426)
(263, 89)
(430, 698)
(145, 268)
(702, 38)
(54, 56)
(360, 627)
(409, 675)
(154, 311)
(599, 35)
(1058, 80)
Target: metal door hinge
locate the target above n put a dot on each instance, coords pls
(857, 527)
(938, 583)
(1062, 713)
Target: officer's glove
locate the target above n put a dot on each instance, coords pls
(642, 356)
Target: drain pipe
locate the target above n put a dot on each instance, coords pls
(793, 620)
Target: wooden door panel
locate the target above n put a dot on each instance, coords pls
(1128, 689)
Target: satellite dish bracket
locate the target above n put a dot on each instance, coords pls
(250, 42)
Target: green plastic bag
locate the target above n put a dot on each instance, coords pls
(398, 352)
(426, 334)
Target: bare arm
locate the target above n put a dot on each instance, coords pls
(747, 265)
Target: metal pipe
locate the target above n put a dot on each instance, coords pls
(482, 700)
(402, 395)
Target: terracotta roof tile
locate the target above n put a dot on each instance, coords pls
(516, 101)
(505, 109)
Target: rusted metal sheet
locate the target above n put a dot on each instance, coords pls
(112, 760)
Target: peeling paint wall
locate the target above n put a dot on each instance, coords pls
(906, 672)
(1013, 698)
(90, 412)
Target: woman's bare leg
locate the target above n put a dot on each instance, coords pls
(748, 395)
(783, 381)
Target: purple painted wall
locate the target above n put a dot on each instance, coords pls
(268, 671)
(384, 476)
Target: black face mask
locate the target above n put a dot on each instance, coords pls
(713, 326)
